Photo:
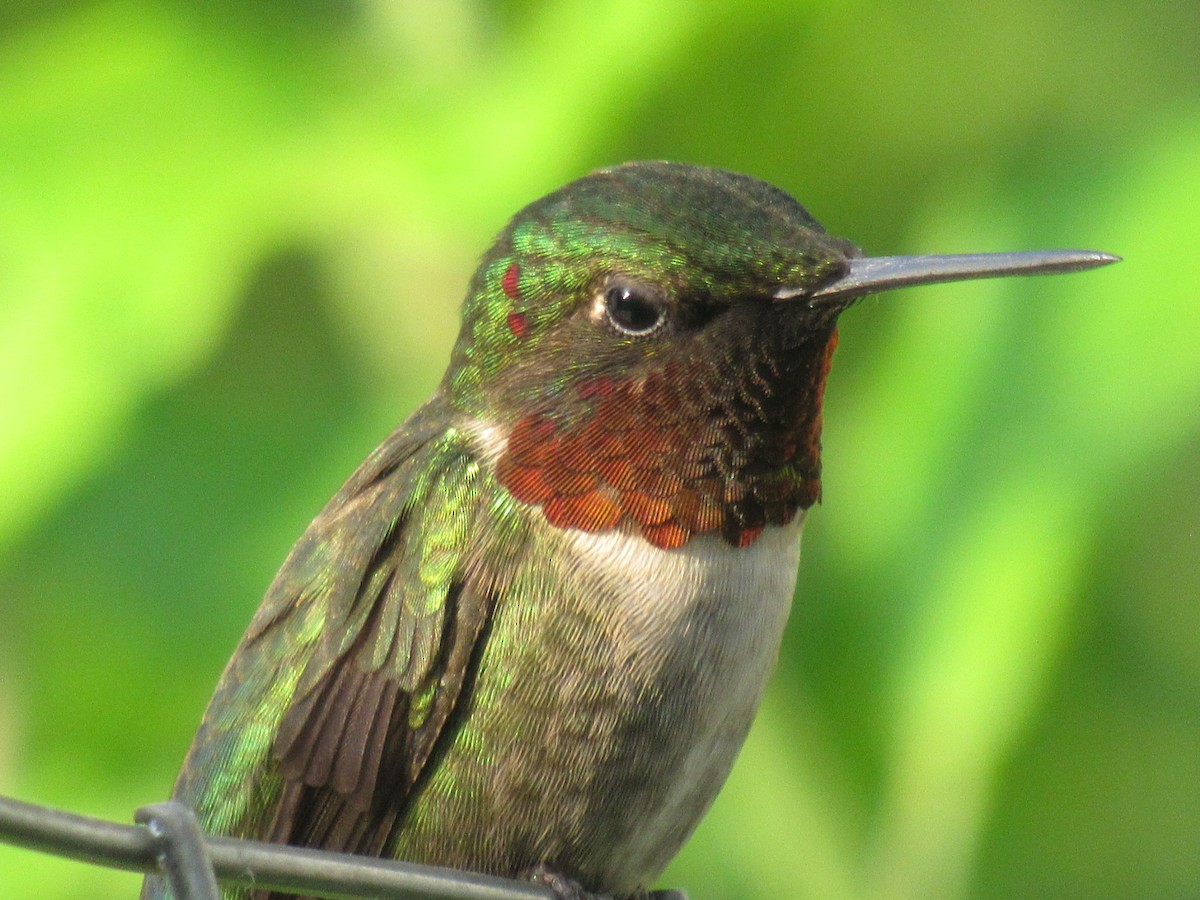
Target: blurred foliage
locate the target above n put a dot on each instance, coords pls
(232, 241)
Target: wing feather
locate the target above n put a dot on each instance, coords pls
(353, 665)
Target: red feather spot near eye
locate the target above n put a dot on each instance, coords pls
(511, 281)
(518, 325)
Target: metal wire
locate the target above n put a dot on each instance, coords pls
(181, 851)
(315, 873)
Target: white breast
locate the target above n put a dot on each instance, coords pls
(705, 591)
(723, 609)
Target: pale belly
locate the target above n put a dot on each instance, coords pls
(616, 688)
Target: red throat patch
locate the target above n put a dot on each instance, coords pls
(649, 455)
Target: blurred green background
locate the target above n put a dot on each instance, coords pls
(233, 240)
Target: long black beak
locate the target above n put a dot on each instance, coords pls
(870, 275)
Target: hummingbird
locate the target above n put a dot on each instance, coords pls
(529, 634)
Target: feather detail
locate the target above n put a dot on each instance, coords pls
(354, 663)
(726, 442)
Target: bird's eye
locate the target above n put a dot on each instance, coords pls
(632, 311)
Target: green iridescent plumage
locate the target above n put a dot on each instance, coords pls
(358, 613)
(739, 237)
(531, 631)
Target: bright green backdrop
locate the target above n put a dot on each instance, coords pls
(232, 245)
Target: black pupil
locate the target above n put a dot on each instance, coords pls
(630, 311)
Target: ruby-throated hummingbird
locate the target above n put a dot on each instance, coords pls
(529, 635)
